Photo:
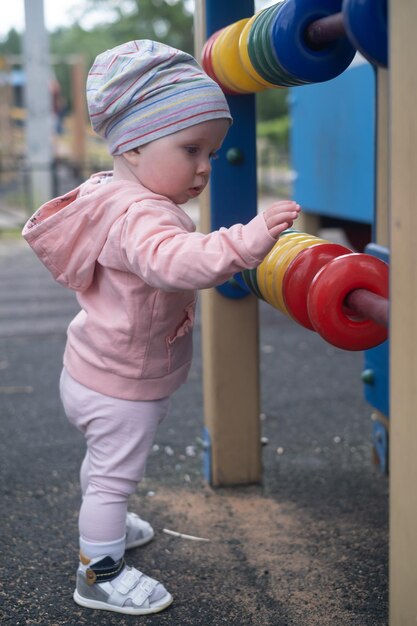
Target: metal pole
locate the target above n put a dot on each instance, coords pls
(325, 30)
(368, 305)
(39, 115)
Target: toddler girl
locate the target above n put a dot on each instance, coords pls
(122, 241)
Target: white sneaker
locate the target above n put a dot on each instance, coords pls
(129, 591)
(138, 532)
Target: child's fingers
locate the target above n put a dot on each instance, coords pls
(279, 218)
(278, 208)
(281, 215)
(277, 230)
(282, 206)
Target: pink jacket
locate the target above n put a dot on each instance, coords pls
(135, 261)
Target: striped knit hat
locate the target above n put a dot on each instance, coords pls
(143, 90)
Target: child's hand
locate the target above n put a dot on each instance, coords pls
(280, 216)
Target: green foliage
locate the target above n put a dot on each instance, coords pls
(11, 44)
(168, 21)
(163, 20)
(271, 103)
(275, 131)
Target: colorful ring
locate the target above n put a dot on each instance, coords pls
(327, 294)
(231, 63)
(300, 274)
(249, 278)
(244, 54)
(206, 55)
(266, 268)
(366, 24)
(291, 48)
(281, 269)
(260, 49)
(217, 58)
(207, 61)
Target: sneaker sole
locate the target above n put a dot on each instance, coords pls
(140, 542)
(128, 610)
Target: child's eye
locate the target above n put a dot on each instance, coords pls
(214, 156)
(191, 149)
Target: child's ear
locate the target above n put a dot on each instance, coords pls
(132, 156)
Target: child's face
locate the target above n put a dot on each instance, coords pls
(178, 166)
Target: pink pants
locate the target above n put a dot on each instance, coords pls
(119, 436)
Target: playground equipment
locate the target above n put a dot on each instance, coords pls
(232, 409)
(234, 52)
(324, 287)
(332, 143)
(295, 43)
(327, 154)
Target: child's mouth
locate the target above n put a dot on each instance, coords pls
(195, 191)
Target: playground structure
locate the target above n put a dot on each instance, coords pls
(333, 155)
(314, 30)
(29, 148)
(65, 133)
(324, 287)
(332, 143)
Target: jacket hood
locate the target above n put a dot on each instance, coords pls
(68, 233)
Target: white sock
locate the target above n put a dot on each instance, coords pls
(98, 550)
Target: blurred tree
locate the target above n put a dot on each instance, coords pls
(271, 103)
(168, 21)
(11, 44)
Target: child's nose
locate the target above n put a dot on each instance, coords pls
(204, 167)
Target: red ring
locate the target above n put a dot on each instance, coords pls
(299, 275)
(206, 55)
(327, 293)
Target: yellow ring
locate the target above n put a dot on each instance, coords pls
(264, 269)
(244, 54)
(264, 280)
(261, 271)
(231, 62)
(274, 260)
(281, 268)
(216, 52)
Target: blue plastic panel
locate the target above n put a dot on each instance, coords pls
(380, 441)
(377, 359)
(332, 145)
(377, 392)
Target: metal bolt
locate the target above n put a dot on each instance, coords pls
(235, 156)
(368, 376)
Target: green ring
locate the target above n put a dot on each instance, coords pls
(268, 52)
(255, 50)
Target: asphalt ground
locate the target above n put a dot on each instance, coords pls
(307, 547)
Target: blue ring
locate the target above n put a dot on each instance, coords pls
(367, 28)
(269, 54)
(290, 45)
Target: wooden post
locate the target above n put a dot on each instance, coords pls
(230, 326)
(381, 159)
(309, 223)
(403, 357)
